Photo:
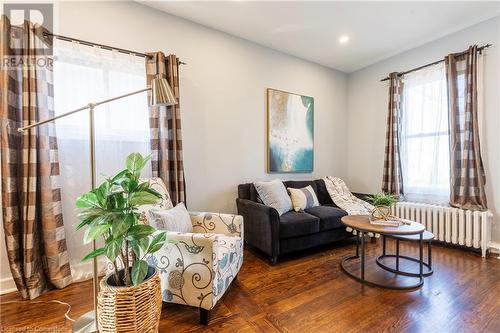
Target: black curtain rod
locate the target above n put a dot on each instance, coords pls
(479, 49)
(102, 46)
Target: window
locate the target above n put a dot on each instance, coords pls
(84, 74)
(425, 157)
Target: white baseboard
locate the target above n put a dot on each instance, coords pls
(7, 285)
(494, 248)
(80, 272)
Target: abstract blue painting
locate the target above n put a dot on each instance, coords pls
(290, 132)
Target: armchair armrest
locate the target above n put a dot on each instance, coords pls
(186, 266)
(261, 225)
(217, 223)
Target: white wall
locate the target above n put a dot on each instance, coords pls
(367, 105)
(222, 95)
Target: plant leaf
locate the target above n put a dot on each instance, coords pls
(142, 198)
(97, 252)
(139, 271)
(121, 225)
(136, 248)
(87, 200)
(157, 242)
(95, 231)
(85, 221)
(90, 212)
(144, 243)
(113, 248)
(119, 176)
(129, 185)
(140, 231)
(144, 161)
(134, 161)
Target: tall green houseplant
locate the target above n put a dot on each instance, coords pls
(110, 212)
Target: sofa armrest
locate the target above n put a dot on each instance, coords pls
(261, 225)
(362, 196)
(186, 265)
(217, 223)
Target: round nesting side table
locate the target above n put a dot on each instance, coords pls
(427, 238)
(361, 223)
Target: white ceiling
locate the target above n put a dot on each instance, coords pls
(310, 30)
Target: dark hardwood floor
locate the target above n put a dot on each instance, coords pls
(309, 293)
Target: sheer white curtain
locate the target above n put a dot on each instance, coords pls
(425, 136)
(84, 74)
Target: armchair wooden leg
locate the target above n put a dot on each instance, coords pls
(274, 260)
(204, 316)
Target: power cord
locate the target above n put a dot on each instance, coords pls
(66, 315)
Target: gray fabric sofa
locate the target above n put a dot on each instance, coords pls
(293, 231)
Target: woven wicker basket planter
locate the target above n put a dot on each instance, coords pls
(130, 309)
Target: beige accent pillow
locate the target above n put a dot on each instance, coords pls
(303, 198)
(175, 219)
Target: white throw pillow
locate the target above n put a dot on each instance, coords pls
(175, 219)
(303, 198)
(274, 194)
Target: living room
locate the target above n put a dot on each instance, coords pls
(206, 105)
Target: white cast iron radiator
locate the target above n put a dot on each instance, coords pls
(450, 225)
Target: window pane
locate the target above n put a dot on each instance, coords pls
(82, 75)
(425, 135)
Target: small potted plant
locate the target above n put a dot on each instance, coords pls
(382, 203)
(110, 212)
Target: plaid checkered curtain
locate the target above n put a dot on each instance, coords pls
(467, 172)
(31, 194)
(392, 181)
(165, 128)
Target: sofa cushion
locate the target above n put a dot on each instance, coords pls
(293, 224)
(329, 216)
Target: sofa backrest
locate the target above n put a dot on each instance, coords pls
(248, 191)
(324, 197)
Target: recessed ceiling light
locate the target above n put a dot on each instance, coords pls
(343, 39)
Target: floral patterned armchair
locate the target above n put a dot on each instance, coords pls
(197, 268)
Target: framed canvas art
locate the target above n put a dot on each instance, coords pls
(290, 132)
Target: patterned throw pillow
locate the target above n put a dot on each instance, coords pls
(303, 198)
(274, 194)
(175, 219)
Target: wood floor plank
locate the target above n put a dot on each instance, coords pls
(309, 293)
